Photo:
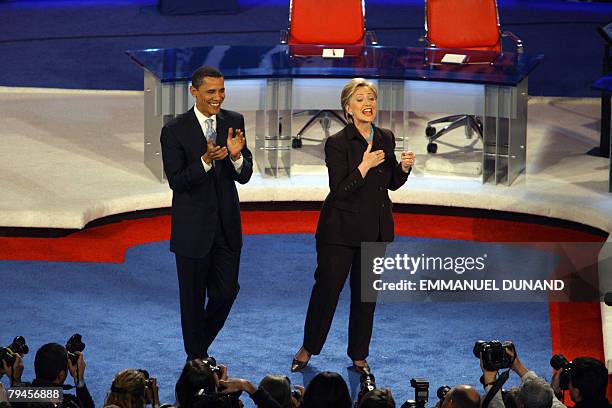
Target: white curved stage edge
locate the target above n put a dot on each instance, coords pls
(70, 157)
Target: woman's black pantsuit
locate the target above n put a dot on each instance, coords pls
(356, 210)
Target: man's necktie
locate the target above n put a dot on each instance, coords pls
(210, 133)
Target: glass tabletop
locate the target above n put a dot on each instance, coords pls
(375, 62)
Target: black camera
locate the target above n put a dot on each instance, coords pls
(74, 344)
(217, 399)
(441, 393)
(421, 393)
(148, 385)
(212, 363)
(367, 383)
(18, 346)
(494, 356)
(558, 362)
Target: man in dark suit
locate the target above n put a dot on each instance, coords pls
(204, 152)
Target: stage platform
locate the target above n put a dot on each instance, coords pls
(70, 157)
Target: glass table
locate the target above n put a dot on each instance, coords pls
(274, 82)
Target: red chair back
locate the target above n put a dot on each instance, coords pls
(327, 22)
(466, 24)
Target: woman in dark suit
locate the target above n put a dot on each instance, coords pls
(362, 166)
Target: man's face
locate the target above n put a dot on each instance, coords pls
(209, 96)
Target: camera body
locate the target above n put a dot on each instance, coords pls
(218, 399)
(74, 344)
(18, 346)
(558, 361)
(494, 356)
(367, 383)
(212, 363)
(421, 391)
(149, 385)
(441, 393)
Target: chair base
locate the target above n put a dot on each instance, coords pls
(324, 117)
(471, 123)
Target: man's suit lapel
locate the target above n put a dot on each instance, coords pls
(222, 128)
(195, 136)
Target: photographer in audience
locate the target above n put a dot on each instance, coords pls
(588, 380)
(52, 365)
(461, 396)
(13, 372)
(133, 389)
(279, 388)
(202, 383)
(534, 391)
(378, 398)
(327, 390)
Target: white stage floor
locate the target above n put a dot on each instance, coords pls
(70, 157)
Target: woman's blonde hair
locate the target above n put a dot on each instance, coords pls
(349, 90)
(128, 390)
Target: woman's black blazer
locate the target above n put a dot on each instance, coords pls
(358, 209)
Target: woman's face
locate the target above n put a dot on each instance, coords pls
(362, 105)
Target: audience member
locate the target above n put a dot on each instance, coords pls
(462, 396)
(588, 383)
(130, 389)
(13, 372)
(279, 388)
(534, 392)
(327, 390)
(202, 383)
(51, 365)
(378, 398)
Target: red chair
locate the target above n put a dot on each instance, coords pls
(462, 25)
(318, 24)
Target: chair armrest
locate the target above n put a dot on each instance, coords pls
(284, 36)
(371, 38)
(515, 39)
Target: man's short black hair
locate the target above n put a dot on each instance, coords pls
(590, 376)
(206, 71)
(49, 361)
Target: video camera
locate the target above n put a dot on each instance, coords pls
(494, 356)
(18, 346)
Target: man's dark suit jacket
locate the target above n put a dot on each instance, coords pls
(200, 198)
(358, 209)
